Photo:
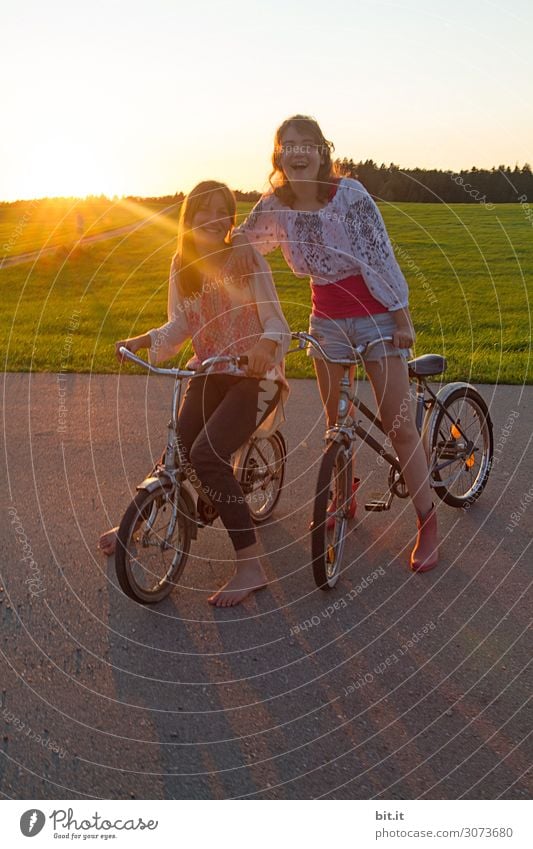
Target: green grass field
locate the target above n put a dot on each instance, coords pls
(470, 273)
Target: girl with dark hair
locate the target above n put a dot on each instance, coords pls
(223, 315)
(329, 229)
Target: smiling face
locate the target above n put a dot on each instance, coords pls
(210, 223)
(300, 156)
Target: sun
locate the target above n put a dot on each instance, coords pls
(64, 168)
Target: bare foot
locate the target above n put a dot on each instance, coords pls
(249, 576)
(108, 541)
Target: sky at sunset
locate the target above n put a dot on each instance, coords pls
(148, 98)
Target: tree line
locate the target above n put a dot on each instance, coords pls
(420, 185)
(417, 185)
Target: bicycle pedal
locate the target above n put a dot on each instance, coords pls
(376, 505)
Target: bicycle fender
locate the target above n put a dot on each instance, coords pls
(163, 482)
(283, 442)
(442, 396)
(446, 390)
(152, 483)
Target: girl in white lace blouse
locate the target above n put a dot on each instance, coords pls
(331, 231)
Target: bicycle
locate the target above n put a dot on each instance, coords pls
(456, 430)
(155, 534)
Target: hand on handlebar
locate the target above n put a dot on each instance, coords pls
(134, 344)
(260, 358)
(404, 334)
(403, 337)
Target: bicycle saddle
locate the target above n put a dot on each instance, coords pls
(427, 365)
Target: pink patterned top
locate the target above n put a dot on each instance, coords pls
(227, 316)
(222, 319)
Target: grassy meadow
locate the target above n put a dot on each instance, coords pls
(470, 271)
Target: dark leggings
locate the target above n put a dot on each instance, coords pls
(217, 416)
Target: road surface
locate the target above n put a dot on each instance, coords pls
(415, 686)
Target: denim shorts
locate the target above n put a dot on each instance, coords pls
(338, 335)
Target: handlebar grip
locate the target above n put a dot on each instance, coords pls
(372, 344)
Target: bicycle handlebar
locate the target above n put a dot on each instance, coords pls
(183, 373)
(305, 338)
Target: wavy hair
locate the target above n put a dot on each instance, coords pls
(327, 173)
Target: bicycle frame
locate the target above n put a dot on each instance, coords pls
(176, 473)
(346, 429)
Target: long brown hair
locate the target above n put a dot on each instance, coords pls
(327, 173)
(189, 279)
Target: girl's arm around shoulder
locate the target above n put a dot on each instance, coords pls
(260, 230)
(261, 227)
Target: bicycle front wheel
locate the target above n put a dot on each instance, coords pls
(153, 542)
(461, 447)
(328, 531)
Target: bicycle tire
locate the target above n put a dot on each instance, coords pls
(470, 472)
(147, 507)
(256, 474)
(327, 545)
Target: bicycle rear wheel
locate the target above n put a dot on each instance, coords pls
(461, 447)
(262, 474)
(153, 543)
(328, 532)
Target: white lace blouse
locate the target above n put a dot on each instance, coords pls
(345, 237)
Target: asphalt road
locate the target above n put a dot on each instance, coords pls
(416, 686)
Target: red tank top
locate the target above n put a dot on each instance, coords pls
(347, 298)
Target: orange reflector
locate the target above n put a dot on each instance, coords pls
(469, 462)
(455, 432)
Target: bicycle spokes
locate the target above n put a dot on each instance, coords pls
(262, 474)
(153, 542)
(461, 443)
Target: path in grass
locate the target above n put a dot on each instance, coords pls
(34, 226)
(65, 253)
(469, 270)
